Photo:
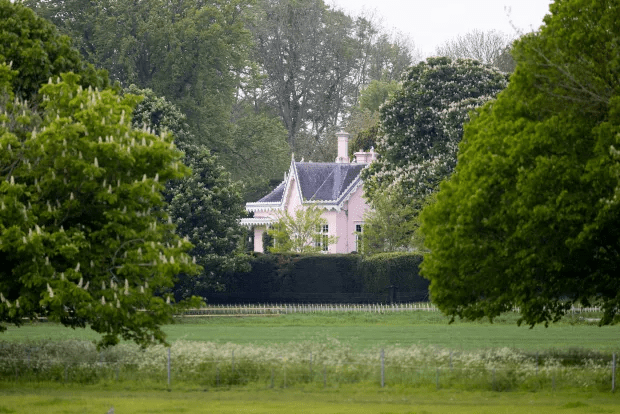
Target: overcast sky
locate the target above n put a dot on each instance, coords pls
(429, 23)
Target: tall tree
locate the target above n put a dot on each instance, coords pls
(192, 52)
(206, 206)
(315, 60)
(261, 153)
(531, 216)
(423, 124)
(84, 236)
(486, 47)
(40, 54)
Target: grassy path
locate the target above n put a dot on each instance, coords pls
(352, 400)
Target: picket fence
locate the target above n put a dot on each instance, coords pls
(282, 309)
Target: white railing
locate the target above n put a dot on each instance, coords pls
(280, 309)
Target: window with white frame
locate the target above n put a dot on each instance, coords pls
(358, 237)
(322, 237)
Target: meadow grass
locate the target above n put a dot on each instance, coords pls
(354, 399)
(363, 331)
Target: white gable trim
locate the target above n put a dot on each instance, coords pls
(321, 204)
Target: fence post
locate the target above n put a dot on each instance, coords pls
(437, 378)
(494, 379)
(324, 376)
(450, 360)
(382, 368)
(217, 376)
(233, 362)
(271, 377)
(613, 373)
(536, 362)
(310, 366)
(168, 367)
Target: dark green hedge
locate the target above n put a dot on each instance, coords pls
(323, 278)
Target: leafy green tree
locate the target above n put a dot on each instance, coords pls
(423, 123)
(531, 216)
(206, 205)
(376, 94)
(39, 52)
(259, 152)
(192, 52)
(85, 238)
(363, 122)
(300, 232)
(392, 225)
(315, 60)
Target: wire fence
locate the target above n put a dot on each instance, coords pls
(282, 309)
(451, 370)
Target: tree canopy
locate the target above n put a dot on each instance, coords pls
(422, 124)
(35, 48)
(315, 60)
(206, 206)
(192, 52)
(84, 237)
(530, 217)
(491, 47)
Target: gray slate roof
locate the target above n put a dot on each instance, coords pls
(320, 181)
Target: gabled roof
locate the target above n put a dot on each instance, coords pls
(276, 195)
(325, 181)
(327, 184)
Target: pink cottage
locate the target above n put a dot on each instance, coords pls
(336, 188)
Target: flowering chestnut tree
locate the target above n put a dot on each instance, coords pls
(84, 235)
(422, 124)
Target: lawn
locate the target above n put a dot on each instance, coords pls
(344, 399)
(364, 331)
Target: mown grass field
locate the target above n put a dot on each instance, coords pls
(361, 332)
(345, 399)
(364, 331)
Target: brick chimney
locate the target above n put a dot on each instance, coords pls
(343, 147)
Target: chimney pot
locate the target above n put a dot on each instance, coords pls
(343, 147)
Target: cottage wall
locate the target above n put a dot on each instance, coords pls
(342, 219)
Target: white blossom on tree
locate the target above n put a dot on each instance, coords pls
(422, 125)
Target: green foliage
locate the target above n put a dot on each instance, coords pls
(377, 93)
(330, 57)
(363, 126)
(300, 232)
(530, 217)
(392, 269)
(37, 51)
(205, 206)
(392, 224)
(363, 122)
(191, 52)
(340, 278)
(259, 152)
(422, 124)
(84, 235)
(267, 241)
